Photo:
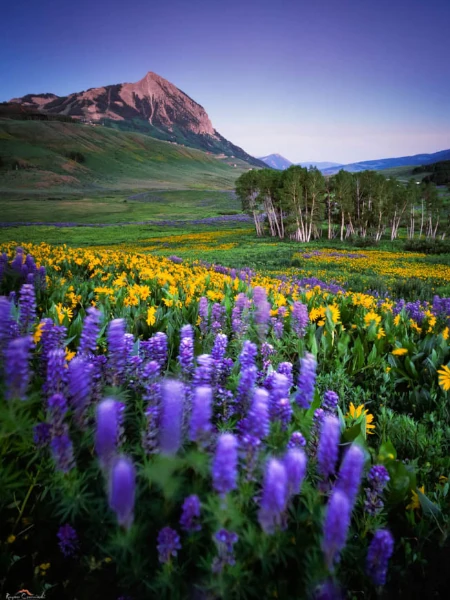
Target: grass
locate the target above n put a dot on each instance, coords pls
(119, 207)
(114, 161)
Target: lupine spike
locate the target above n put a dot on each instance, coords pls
(172, 416)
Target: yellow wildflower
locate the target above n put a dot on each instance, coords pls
(372, 317)
(151, 318)
(399, 351)
(381, 333)
(11, 539)
(415, 502)
(445, 333)
(38, 333)
(397, 320)
(444, 378)
(69, 355)
(355, 413)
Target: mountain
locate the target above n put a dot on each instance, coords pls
(153, 106)
(276, 161)
(48, 157)
(388, 163)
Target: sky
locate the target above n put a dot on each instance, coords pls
(324, 80)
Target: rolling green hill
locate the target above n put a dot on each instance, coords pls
(39, 157)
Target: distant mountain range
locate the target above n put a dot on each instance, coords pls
(153, 106)
(276, 161)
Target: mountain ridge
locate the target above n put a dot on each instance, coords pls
(152, 105)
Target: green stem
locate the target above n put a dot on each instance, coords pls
(24, 503)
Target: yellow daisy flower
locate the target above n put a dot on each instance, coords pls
(400, 351)
(444, 378)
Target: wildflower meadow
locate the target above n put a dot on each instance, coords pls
(174, 428)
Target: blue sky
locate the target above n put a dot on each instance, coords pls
(340, 81)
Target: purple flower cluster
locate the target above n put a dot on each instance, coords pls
(349, 476)
(172, 416)
(168, 544)
(224, 468)
(335, 528)
(306, 381)
(274, 498)
(218, 315)
(90, 333)
(380, 551)
(261, 310)
(68, 540)
(186, 351)
(299, 318)
(240, 314)
(225, 541)
(200, 426)
(17, 369)
(122, 487)
(155, 348)
(27, 304)
(190, 515)
(203, 313)
(378, 478)
(327, 452)
(330, 401)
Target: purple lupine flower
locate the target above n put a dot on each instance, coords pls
(203, 314)
(261, 310)
(239, 314)
(117, 352)
(168, 544)
(42, 434)
(68, 540)
(3, 264)
(189, 520)
(122, 487)
(90, 333)
(327, 452)
(314, 434)
(378, 479)
(224, 404)
(306, 381)
(247, 381)
(56, 372)
(40, 278)
(335, 527)
(225, 541)
(297, 440)
(17, 262)
(285, 368)
(152, 396)
(349, 476)
(27, 303)
(224, 468)
(173, 397)
(277, 327)
(62, 450)
(186, 351)
(327, 590)
(283, 412)
(200, 426)
(203, 373)
(17, 369)
(6, 322)
(218, 355)
(107, 431)
(274, 496)
(380, 551)
(258, 415)
(330, 401)
(279, 390)
(266, 352)
(52, 338)
(218, 314)
(295, 464)
(248, 355)
(57, 409)
(79, 385)
(299, 318)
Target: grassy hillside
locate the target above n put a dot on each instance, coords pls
(34, 157)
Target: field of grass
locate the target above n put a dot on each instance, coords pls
(114, 161)
(118, 207)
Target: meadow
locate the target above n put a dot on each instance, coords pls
(191, 412)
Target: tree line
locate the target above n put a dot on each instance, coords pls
(302, 204)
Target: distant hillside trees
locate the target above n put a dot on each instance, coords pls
(439, 172)
(301, 204)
